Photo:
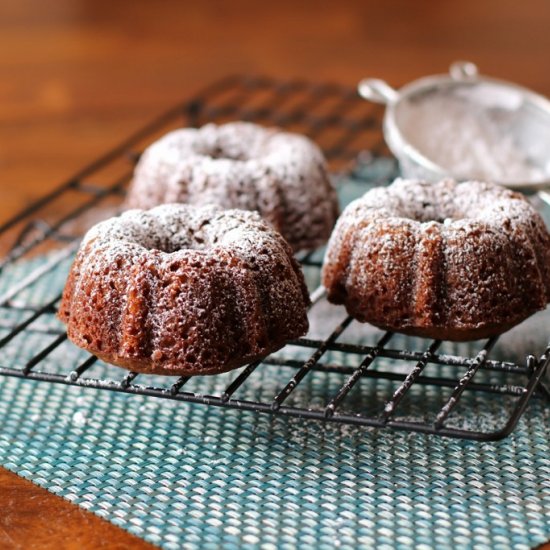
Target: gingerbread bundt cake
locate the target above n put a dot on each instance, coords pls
(281, 175)
(184, 290)
(457, 261)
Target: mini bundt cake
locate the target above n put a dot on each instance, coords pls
(446, 260)
(183, 290)
(282, 176)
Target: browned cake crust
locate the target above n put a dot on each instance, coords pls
(455, 261)
(183, 290)
(281, 175)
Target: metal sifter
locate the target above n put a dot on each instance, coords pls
(467, 126)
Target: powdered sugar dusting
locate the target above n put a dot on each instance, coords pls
(181, 289)
(281, 175)
(469, 135)
(451, 260)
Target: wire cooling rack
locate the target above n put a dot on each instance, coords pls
(42, 239)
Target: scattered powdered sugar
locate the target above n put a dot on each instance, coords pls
(468, 137)
(79, 419)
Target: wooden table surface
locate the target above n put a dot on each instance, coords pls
(77, 76)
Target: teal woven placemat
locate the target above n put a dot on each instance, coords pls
(192, 476)
(200, 477)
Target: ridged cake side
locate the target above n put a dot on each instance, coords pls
(447, 260)
(184, 290)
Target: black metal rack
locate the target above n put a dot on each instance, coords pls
(348, 129)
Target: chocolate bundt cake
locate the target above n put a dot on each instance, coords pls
(183, 290)
(282, 176)
(457, 261)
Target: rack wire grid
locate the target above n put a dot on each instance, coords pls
(339, 374)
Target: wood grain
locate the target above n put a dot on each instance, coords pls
(77, 76)
(32, 518)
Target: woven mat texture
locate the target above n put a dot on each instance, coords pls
(200, 477)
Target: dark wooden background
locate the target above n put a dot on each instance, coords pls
(77, 76)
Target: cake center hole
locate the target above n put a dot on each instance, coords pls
(185, 240)
(220, 153)
(430, 212)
